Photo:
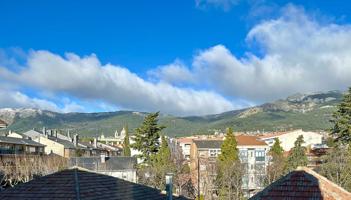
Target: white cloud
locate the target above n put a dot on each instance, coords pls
(174, 73)
(85, 78)
(224, 4)
(300, 54)
(16, 99)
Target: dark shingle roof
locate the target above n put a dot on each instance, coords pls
(65, 143)
(208, 144)
(12, 140)
(303, 183)
(79, 184)
(113, 163)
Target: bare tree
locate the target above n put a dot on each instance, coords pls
(337, 167)
(16, 169)
(229, 181)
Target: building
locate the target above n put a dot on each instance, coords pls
(116, 140)
(288, 139)
(10, 145)
(303, 183)
(3, 124)
(119, 167)
(184, 144)
(252, 153)
(81, 184)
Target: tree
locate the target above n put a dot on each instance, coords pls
(342, 120)
(297, 156)
(276, 165)
(277, 149)
(337, 167)
(160, 163)
(126, 144)
(229, 151)
(230, 170)
(147, 137)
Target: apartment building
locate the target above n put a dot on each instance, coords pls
(252, 153)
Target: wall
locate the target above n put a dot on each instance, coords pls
(51, 146)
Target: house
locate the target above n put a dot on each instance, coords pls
(10, 145)
(81, 184)
(303, 183)
(3, 124)
(56, 145)
(252, 153)
(288, 139)
(119, 167)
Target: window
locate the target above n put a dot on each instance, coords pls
(260, 155)
(187, 146)
(214, 152)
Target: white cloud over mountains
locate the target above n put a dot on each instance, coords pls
(297, 53)
(87, 79)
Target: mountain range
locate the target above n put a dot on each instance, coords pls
(310, 111)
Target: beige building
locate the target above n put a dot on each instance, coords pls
(288, 139)
(252, 153)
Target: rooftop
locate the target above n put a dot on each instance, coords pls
(11, 140)
(80, 184)
(303, 183)
(208, 144)
(113, 163)
(248, 140)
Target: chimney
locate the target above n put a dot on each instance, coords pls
(95, 142)
(75, 140)
(56, 133)
(169, 185)
(103, 158)
(44, 130)
(68, 135)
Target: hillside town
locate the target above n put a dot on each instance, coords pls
(175, 100)
(222, 165)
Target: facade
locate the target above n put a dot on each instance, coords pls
(252, 153)
(288, 139)
(67, 146)
(119, 167)
(184, 144)
(9, 145)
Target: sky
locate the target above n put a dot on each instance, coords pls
(184, 57)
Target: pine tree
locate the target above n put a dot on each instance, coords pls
(277, 149)
(229, 151)
(147, 137)
(342, 120)
(297, 156)
(126, 144)
(230, 170)
(277, 164)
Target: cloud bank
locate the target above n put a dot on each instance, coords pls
(292, 53)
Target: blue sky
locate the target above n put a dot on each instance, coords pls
(180, 57)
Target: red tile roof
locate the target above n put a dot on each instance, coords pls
(303, 183)
(248, 140)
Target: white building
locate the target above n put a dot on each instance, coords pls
(116, 140)
(287, 139)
